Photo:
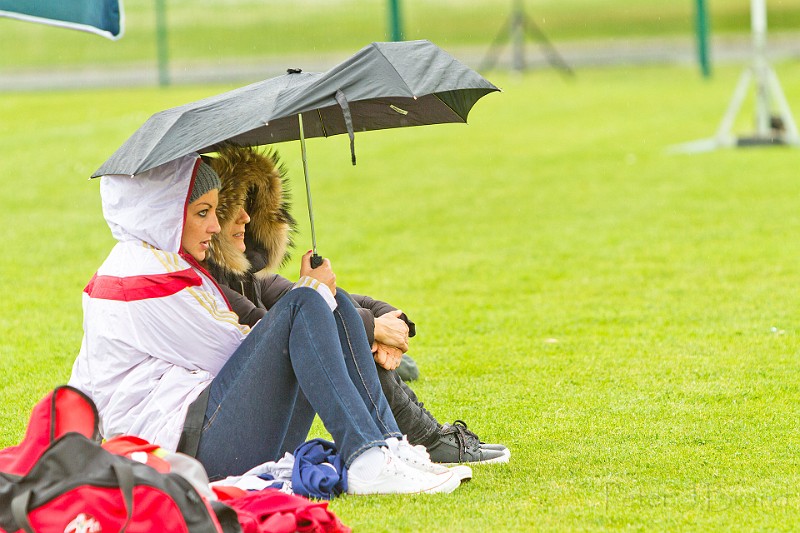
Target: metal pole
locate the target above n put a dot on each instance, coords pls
(758, 22)
(161, 43)
(395, 22)
(316, 260)
(702, 38)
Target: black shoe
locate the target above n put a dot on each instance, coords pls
(457, 444)
(472, 436)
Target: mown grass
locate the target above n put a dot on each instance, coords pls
(624, 319)
(215, 31)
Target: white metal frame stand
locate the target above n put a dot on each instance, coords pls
(771, 128)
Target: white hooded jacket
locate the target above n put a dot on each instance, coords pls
(156, 327)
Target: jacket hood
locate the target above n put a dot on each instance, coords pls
(150, 206)
(257, 182)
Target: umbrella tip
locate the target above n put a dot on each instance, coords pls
(294, 70)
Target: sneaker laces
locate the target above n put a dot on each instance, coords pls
(415, 456)
(459, 429)
(420, 450)
(398, 445)
(467, 432)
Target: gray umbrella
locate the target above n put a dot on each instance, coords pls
(384, 85)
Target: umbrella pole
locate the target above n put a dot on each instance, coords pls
(316, 260)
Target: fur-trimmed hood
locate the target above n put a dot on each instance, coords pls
(256, 181)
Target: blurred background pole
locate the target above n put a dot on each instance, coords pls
(702, 38)
(395, 22)
(518, 36)
(761, 69)
(161, 43)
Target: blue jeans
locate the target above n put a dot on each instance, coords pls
(299, 346)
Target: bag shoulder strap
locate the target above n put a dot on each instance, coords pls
(19, 510)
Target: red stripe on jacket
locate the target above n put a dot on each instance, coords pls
(133, 288)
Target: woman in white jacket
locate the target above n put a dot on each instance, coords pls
(160, 338)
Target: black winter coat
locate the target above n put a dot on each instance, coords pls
(251, 298)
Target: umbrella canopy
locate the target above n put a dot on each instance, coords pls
(101, 17)
(196, 126)
(384, 85)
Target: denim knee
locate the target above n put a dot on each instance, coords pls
(304, 296)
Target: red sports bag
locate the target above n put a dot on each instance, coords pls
(59, 480)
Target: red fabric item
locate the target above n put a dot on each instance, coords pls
(127, 445)
(227, 492)
(62, 411)
(273, 511)
(133, 288)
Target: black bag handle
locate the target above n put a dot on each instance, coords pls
(19, 510)
(124, 473)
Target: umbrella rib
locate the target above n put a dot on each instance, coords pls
(396, 71)
(436, 95)
(322, 123)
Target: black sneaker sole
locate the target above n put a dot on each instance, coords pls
(494, 460)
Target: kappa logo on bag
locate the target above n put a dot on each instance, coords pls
(84, 523)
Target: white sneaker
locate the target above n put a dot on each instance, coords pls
(396, 477)
(462, 472)
(417, 457)
(414, 456)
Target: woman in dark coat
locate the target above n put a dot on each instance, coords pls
(254, 215)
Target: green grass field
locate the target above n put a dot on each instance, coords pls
(216, 30)
(623, 319)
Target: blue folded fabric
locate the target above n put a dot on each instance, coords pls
(318, 470)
